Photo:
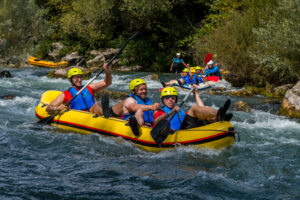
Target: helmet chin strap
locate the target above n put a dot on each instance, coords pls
(74, 84)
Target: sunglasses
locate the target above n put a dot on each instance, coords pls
(78, 77)
(170, 97)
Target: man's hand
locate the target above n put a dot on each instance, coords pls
(195, 91)
(106, 67)
(176, 108)
(62, 107)
(155, 106)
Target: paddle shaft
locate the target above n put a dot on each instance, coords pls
(109, 63)
(96, 76)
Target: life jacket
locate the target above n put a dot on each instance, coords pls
(186, 79)
(195, 76)
(148, 115)
(177, 60)
(213, 72)
(83, 101)
(175, 123)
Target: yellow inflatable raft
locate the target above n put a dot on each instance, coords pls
(42, 63)
(215, 135)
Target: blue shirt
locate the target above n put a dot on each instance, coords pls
(212, 72)
(177, 60)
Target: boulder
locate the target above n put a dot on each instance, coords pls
(290, 106)
(241, 106)
(2, 62)
(218, 89)
(106, 53)
(62, 73)
(281, 90)
(126, 68)
(55, 48)
(154, 77)
(74, 59)
(5, 74)
(7, 96)
(97, 61)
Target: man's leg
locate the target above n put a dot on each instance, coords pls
(202, 113)
(171, 82)
(96, 108)
(118, 108)
(136, 121)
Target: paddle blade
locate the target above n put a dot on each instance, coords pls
(161, 131)
(46, 120)
(208, 57)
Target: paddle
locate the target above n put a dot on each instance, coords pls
(162, 129)
(208, 58)
(49, 119)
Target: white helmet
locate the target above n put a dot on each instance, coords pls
(178, 54)
(210, 62)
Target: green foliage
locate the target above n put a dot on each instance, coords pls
(24, 26)
(259, 45)
(277, 43)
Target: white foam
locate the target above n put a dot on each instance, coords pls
(18, 100)
(269, 121)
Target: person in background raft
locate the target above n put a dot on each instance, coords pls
(198, 75)
(138, 108)
(211, 70)
(197, 115)
(85, 100)
(178, 64)
(3, 41)
(185, 78)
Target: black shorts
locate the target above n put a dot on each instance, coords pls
(192, 122)
(112, 114)
(178, 67)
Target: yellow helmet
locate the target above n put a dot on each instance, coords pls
(185, 70)
(168, 91)
(74, 71)
(198, 68)
(136, 82)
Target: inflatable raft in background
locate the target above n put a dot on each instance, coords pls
(212, 81)
(216, 135)
(42, 63)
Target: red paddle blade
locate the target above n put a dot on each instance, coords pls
(208, 57)
(213, 78)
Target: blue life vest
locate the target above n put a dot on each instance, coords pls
(213, 72)
(177, 60)
(186, 79)
(148, 115)
(175, 123)
(83, 101)
(195, 76)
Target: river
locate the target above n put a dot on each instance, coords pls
(48, 163)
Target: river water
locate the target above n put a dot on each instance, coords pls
(48, 163)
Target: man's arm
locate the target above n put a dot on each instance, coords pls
(96, 87)
(172, 66)
(198, 100)
(131, 106)
(57, 104)
(186, 65)
(160, 115)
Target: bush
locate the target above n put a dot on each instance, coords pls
(24, 26)
(260, 45)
